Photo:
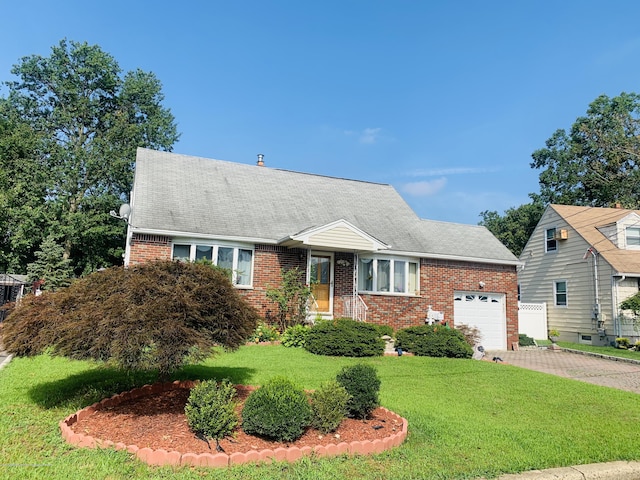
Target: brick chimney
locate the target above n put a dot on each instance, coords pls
(260, 160)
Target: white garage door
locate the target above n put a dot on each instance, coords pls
(485, 311)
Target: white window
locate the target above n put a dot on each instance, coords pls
(633, 236)
(236, 259)
(388, 275)
(551, 244)
(560, 293)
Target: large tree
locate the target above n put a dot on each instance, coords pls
(515, 227)
(22, 188)
(596, 163)
(89, 119)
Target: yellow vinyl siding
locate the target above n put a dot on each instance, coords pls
(568, 264)
(340, 237)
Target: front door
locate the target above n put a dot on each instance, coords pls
(320, 281)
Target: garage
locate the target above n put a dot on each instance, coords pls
(486, 312)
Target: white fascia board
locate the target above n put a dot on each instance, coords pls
(623, 274)
(173, 233)
(457, 258)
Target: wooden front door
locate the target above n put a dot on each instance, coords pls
(320, 280)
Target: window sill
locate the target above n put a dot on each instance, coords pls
(390, 294)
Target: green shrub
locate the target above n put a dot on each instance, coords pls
(622, 342)
(295, 336)
(384, 330)
(264, 333)
(363, 385)
(210, 409)
(433, 341)
(278, 410)
(329, 405)
(525, 341)
(344, 337)
(152, 316)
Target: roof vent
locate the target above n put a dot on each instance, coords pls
(260, 160)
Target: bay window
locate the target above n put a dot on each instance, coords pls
(238, 260)
(388, 275)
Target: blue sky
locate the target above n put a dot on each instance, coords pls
(445, 100)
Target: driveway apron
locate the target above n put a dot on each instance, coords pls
(608, 372)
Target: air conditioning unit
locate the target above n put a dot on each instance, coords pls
(562, 234)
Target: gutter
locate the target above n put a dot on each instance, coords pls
(270, 241)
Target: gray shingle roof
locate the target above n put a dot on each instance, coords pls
(198, 196)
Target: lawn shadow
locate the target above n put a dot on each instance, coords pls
(82, 389)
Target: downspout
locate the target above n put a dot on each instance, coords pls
(617, 330)
(596, 305)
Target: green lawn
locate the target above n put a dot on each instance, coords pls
(610, 351)
(466, 418)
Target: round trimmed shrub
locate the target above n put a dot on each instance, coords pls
(433, 341)
(329, 405)
(278, 410)
(344, 337)
(210, 409)
(363, 385)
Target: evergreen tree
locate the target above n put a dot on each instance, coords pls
(50, 265)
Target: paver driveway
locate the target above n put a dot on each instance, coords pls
(600, 371)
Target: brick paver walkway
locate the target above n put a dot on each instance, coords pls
(600, 371)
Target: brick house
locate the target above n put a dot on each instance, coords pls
(366, 254)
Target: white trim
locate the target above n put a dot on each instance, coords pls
(269, 241)
(195, 236)
(555, 293)
(391, 258)
(304, 236)
(437, 256)
(214, 256)
(547, 239)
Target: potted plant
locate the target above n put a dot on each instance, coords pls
(554, 335)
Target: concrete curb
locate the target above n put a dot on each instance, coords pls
(592, 471)
(5, 361)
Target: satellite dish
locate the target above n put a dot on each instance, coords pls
(125, 211)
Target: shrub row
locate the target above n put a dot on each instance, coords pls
(434, 341)
(344, 337)
(281, 410)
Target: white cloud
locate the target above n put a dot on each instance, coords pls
(437, 172)
(424, 188)
(366, 136)
(370, 135)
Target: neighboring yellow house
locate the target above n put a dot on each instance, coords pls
(583, 262)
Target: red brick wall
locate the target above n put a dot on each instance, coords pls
(145, 248)
(438, 281)
(269, 261)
